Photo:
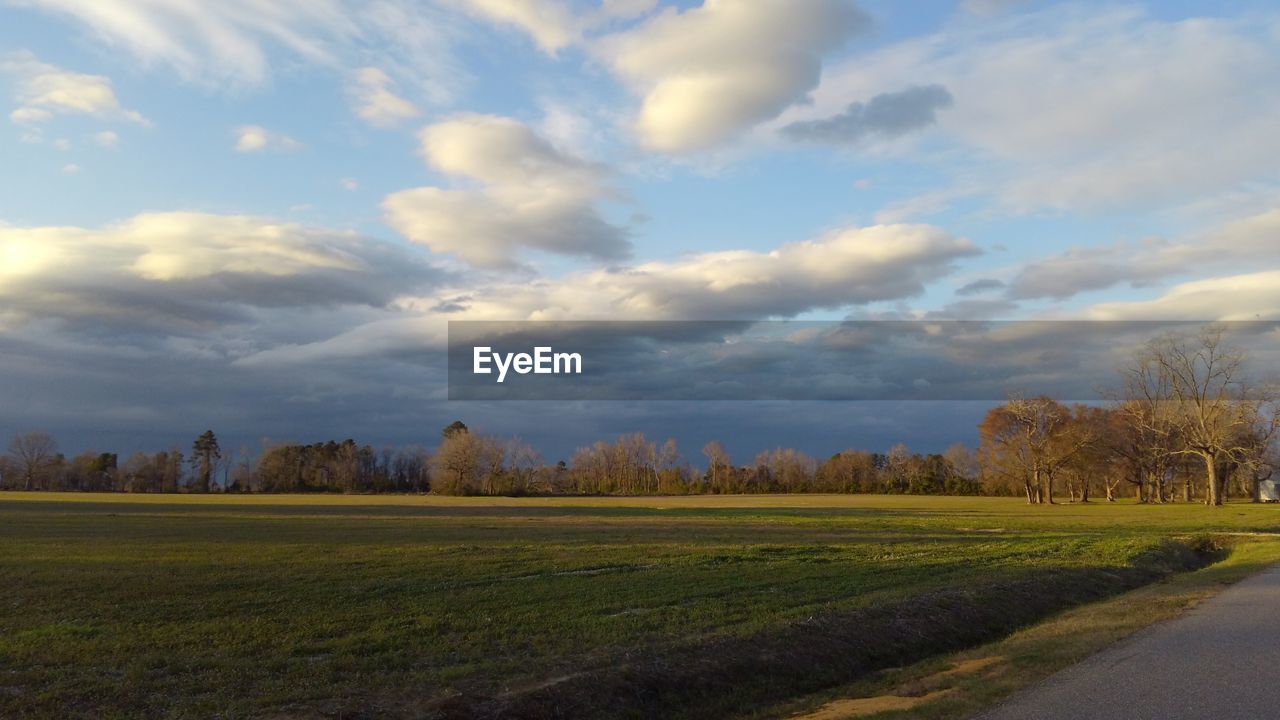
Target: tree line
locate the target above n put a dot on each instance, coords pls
(1185, 423)
(473, 463)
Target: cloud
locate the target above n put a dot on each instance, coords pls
(107, 139)
(71, 168)
(375, 103)
(1085, 107)
(237, 44)
(223, 40)
(989, 7)
(551, 24)
(350, 184)
(255, 138)
(43, 90)
(974, 309)
(532, 197)
(183, 272)
(711, 72)
(1250, 240)
(888, 115)
(848, 267)
(852, 266)
(980, 286)
(30, 115)
(1251, 296)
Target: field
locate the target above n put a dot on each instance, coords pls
(354, 606)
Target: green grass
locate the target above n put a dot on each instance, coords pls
(288, 606)
(1035, 652)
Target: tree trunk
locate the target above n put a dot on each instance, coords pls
(1084, 491)
(1212, 493)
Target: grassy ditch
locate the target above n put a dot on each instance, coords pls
(960, 685)
(733, 675)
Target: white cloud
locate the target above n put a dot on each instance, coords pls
(238, 43)
(1251, 296)
(30, 115)
(225, 39)
(181, 270)
(107, 139)
(532, 196)
(375, 103)
(851, 266)
(550, 23)
(553, 24)
(71, 168)
(1085, 107)
(43, 90)
(255, 138)
(711, 72)
(350, 184)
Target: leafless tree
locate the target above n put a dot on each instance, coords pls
(716, 459)
(1194, 387)
(33, 453)
(465, 462)
(522, 462)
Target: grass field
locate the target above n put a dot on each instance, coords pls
(303, 606)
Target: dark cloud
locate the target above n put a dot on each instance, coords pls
(1075, 271)
(980, 286)
(931, 360)
(1250, 241)
(888, 115)
(974, 309)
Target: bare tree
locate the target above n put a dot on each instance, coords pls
(522, 462)
(33, 453)
(716, 458)
(1151, 441)
(1201, 393)
(962, 460)
(465, 463)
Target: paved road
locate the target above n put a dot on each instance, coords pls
(1220, 661)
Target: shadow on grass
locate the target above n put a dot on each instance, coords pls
(735, 675)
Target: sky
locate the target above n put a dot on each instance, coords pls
(259, 216)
